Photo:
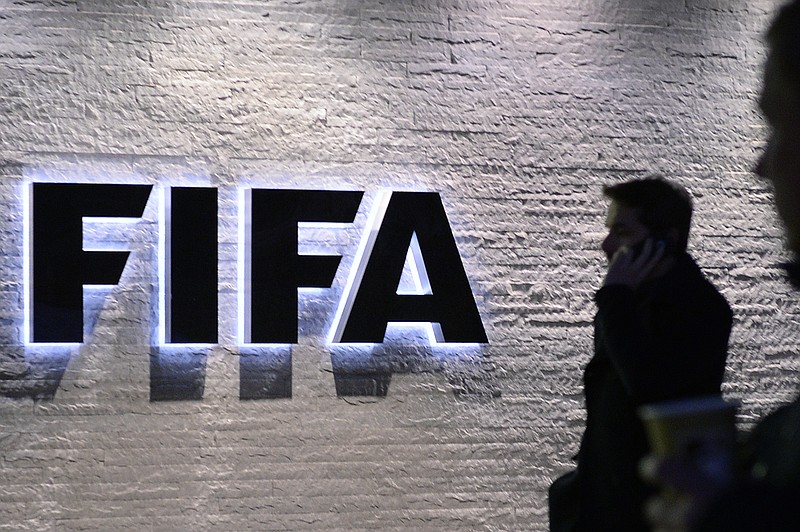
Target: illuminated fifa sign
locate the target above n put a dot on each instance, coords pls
(272, 268)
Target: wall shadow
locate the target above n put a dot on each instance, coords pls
(177, 374)
(33, 373)
(362, 372)
(366, 370)
(265, 373)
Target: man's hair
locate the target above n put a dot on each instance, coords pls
(783, 37)
(661, 205)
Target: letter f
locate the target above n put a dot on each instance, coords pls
(60, 267)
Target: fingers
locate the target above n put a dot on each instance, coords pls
(668, 512)
(677, 472)
(687, 474)
(650, 256)
(687, 489)
(631, 269)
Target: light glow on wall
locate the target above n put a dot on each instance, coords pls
(415, 282)
(163, 260)
(418, 284)
(27, 213)
(243, 277)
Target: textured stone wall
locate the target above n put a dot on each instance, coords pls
(515, 111)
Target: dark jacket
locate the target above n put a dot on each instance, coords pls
(666, 340)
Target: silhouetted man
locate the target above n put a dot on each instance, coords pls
(661, 333)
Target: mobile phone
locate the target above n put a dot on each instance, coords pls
(656, 240)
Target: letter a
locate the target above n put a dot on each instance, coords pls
(374, 301)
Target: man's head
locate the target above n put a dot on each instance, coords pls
(647, 208)
(780, 103)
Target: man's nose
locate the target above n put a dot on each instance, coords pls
(762, 165)
(607, 245)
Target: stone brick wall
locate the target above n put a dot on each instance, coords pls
(515, 111)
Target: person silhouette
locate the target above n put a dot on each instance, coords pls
(660, 333)
(765, 492)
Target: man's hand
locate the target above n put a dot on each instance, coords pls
(688, 489)
(629, 270)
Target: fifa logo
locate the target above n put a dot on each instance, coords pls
(406, 224)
